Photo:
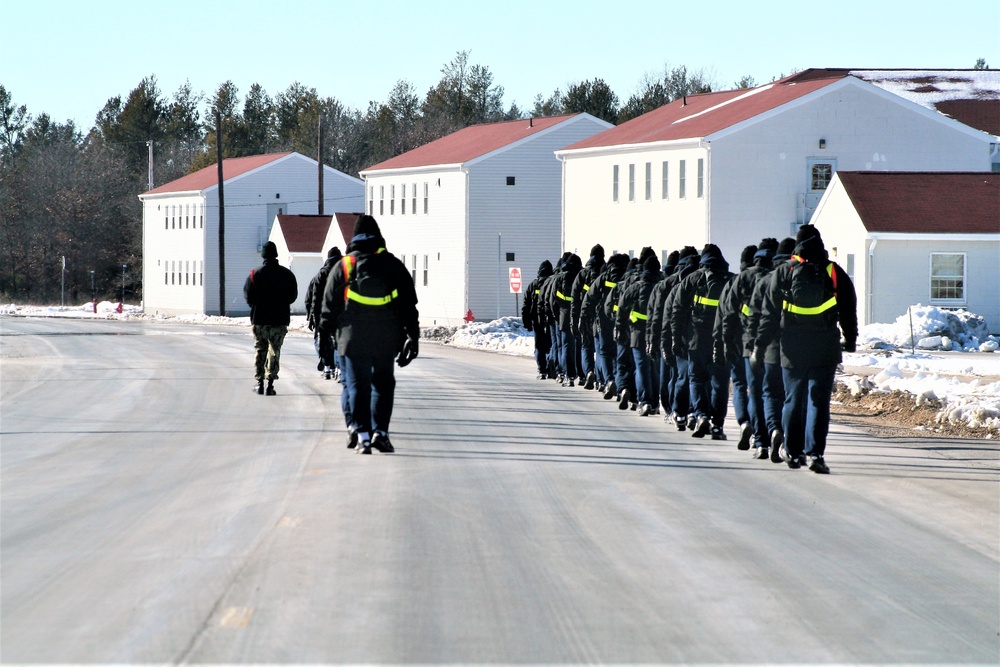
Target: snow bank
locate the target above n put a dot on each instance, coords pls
(506, 335)
(933, 329)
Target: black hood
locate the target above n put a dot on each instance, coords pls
(545, 269)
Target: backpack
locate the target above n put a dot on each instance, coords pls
(706, 299)
(364, 288)
(812, 294)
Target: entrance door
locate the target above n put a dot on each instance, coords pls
(820, 172)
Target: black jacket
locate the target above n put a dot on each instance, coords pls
(531, 311)
(562, 295)
(670, 294)
(693, 311)
(362, 328)
(581, 287)
(633, 307)
(808, 341)
(270, 290)
(314, 292)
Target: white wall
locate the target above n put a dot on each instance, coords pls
(173, 254)
(846, 239)
(438, 236)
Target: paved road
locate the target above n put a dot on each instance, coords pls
(155, 510)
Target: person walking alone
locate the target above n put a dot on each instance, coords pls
(270, 290)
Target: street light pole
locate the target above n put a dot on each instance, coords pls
(124, 266)
(93, 290)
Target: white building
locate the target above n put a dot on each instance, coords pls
(181, 226)
(733, 167)
(462, 210)
(303, 242)
(916, 238)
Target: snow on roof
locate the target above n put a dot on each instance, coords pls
(925, 202)
(209, 176)
(469, 143)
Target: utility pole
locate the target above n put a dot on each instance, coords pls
(319, 162)
(222, 217)
(150, 161)
(63, 298)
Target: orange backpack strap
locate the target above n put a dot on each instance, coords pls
(251, 278)
(348, 264)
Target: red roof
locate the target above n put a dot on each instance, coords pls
(305, 233)
(981, 114)
(706, 113)
(925, 202)
(346, 223)
(469, 143)
(209, 176)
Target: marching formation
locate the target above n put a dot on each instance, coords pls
(671, 340)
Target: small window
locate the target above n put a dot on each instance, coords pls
(701, 178)
(425, 270)
(166, 222)
(414, 201)
(392, 200)
(682, 180)
(381, 200)
(402, 201)
(649, 181)
(426, 192)
(850, 265)
(948, 278)
(510, 257)
(614, 183)
(820, 176)
(631, 182)
(510, 180)
(371, 200)
(665, 192)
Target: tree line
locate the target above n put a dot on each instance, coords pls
(65, 192)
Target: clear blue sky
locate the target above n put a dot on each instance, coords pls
(68, 57)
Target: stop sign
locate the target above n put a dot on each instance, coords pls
(515, 280)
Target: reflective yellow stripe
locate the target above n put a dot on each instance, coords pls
(706, 301)
(538, 291)
(563, 296)
(815, 310)
(371, 300)
(608, 283)
(636, 315)
(615, 308)
(745, 310)
(586, 287)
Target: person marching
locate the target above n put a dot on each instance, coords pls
(270, 290)
(729, 346)
(593, 309)
(681, 407)
(804, 302)
(633, 315)
(534, 321)
(323, 343)
(370, 304)
(584, 329)
(664, 376)
(562, 311)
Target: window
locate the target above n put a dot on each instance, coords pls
(173, 273)
(666, 188)
(166, 221)
(614, 183)
(201, 274)
(850, 266)
(631, 182)
(701, 177)
(381, 200)
(425, 270)
(392, 200)
(402, 201)
(682, 181)
(947, 277)
(187, 216)
(820, 176)
(201, 216)
(649, 181)
(414, 200)
(371, 200)
(426, 192)
(187, 271)
(510, 180)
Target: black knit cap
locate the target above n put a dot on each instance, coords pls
(746, 257)
(786, 246)
(673, 258)
(711, 249)
(806, 232)
(646, 252)
(651, 263)
(269, 251)
(367, 227)
(768, 244)
(597, 251)
(333, 253)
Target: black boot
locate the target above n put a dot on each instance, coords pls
(270, 388)
(258, 388)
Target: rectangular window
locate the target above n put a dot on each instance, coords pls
(166, 222)
(631, 182)
(201, 274)
(701, 177)
(510, 180)
(425, 270)
(948, 278)
(402, 201)
(427, 191)
(371, 200)
(614, 183)
(649, 181)
(392, 200)
(414, 202)
(173, 273)
(682, 184)
(201, 216)
(187, 216)
(187, 271)
(665, 187)
(381, 200)
(820, 176)
(850, 265)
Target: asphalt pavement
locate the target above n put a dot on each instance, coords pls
(153, 509)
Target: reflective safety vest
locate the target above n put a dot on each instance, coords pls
(814, 310)
(349, 294)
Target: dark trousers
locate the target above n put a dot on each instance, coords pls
(370, 387)
(324, 348)
(709, 386)
(567, 354)
(586, 354)
(605, 358)
(682, 387)
(755, 403)
(738, 374)
(668, 378)
(555, 352)
(806, 413)
(543, 343)
(624, 369)
(773, 390)
(643, 376)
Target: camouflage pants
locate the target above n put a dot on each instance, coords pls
(267, 340)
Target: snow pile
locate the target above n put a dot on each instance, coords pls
(933, 329)
(105, 310)
(506, 335)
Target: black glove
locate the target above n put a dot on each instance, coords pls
(757, 361)
(312, 327)
(850, 345)
(528, 326)
(667, 355)
(408, 353)
(678, 350)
